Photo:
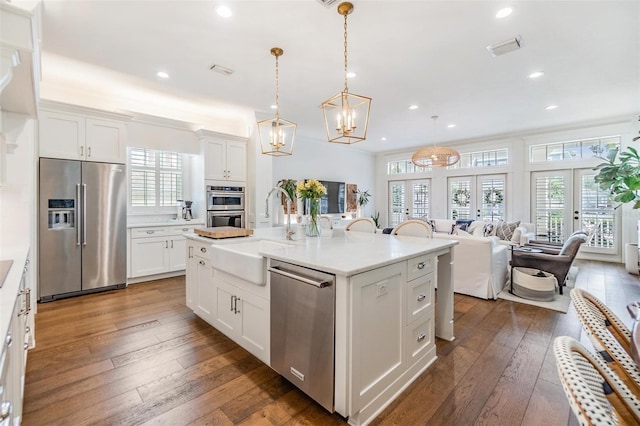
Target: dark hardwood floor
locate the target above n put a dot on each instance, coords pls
(140, 356)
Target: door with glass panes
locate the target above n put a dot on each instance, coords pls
(408, 199)
(564, 201)
(477, 197)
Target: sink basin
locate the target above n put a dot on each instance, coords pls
(243, 260)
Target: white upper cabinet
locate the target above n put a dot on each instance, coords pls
(224, 159)
(75, 137)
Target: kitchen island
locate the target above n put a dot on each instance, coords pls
(386, 318)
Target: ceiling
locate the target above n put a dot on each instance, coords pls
(429, 53)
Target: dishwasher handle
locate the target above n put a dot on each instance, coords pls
(319, 284)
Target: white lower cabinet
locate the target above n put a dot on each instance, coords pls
(200, 291)
(236, 307)
(392, 333)
(157, 250)
(242, 315)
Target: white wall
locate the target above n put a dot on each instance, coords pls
(313, 159)
(18, 194)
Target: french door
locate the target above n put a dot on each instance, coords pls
(565, 201)
(477, 197)
(408, 198)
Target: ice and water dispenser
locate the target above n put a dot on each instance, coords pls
(62, 213)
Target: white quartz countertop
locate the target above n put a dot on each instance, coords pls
(340, 252)
(196, 222)
(9, 290)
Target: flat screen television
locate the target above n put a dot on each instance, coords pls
(333, 201)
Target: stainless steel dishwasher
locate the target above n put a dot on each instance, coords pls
(302, 329)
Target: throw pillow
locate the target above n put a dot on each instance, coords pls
(517, 235)
(487, 230)
(464, 223)
(459, 231)
(505, 230)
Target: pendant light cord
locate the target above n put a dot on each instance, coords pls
(277, 94)
(346, 88)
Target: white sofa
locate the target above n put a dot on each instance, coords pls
(522, 234)
(480, 265)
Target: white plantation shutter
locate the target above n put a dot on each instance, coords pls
(461, 199)
(397, 204)
(550, 207)
(420, 201)
(156, 178)
(598, 213)
(492, 190)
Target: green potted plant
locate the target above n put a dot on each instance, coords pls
(288, 186)
(376, 219)
(620, 174)
(363, 200)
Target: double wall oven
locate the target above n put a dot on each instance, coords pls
(225, 206)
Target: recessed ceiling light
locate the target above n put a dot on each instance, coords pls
(383, 139)
(413, 107)
(162, 74)
(550, 107)
(223, 11)
(503, 13)
(351, 74)
(451, 126)
(274, 106)
(536, 74)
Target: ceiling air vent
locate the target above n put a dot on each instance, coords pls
(505, 46)
(220, 69)
(327, 3)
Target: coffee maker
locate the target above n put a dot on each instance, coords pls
(186, 210)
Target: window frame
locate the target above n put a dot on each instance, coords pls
(158, 173)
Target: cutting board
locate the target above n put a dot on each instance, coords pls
(223, 232)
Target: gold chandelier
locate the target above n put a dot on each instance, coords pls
(350, 111)
(435, 156)
(277, 134)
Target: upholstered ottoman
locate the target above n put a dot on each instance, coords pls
(534, 284)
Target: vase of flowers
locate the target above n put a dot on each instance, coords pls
(310, 192)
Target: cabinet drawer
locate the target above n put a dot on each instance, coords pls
(420, 294)
(419, 266)
(419, 338)
(198, 249)
(179, 230)
(148, 232)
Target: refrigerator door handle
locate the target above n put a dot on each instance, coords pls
(77, 215)
(84, 214)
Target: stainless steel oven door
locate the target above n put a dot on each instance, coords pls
(229, 218)
(225, 198)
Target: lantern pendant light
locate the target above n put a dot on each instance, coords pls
(435, 156)
(346, 115)
(277, 134)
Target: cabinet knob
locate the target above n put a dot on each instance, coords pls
(201, 262)
(421, 337)
(421, 265)
(421, 297)
(5, 410)
(89, 151)
(185, 229)
(8, 340)
(150, 232)
(203, 249)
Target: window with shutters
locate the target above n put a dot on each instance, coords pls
(155, 178)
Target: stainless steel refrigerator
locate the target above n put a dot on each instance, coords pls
(82, 227)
